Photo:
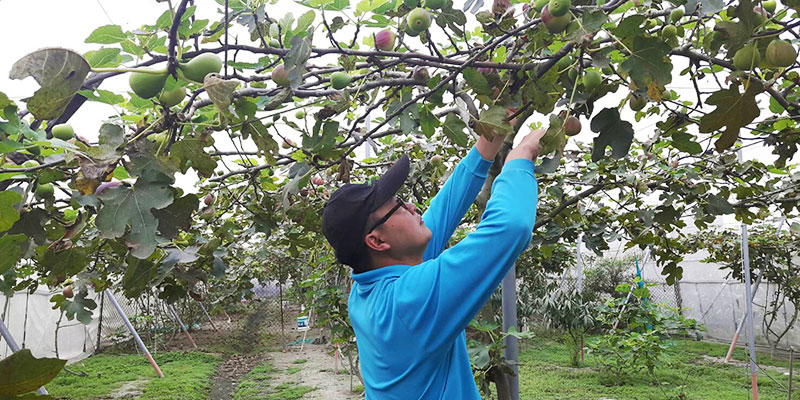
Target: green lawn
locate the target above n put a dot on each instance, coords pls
(545, 374)
(261, 383)
(187, 375)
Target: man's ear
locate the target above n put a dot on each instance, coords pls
(375, 242)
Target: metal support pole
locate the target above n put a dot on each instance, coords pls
(740, 326)
(751, 339)
(133, 332)
(509, 306)
(579, 268)
(12, 344)
(183, 327)
(202, 307)
(791, 370)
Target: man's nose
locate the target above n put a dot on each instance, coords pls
(411, 207)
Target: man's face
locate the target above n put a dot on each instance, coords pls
(403, 230)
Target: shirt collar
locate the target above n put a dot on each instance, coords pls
(375, 275)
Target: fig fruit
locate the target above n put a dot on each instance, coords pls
(554, 24)
(591, 79)
(63, 131)
(280, 76)
(44, 191)
(68, 292)
(559, 7)
(572, 126)
(419, 19)
(746, 58)
(147, 85)
(340, 80)
(676, 14)
(384, 40)
(172, 97)
(197, 68)
(637, 103)
(781, 53)
(421, 74)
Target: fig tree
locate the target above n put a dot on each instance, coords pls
(340, 80)
(280, 76)
(419, 19)
(746, 58)
(559, 7)
(554, 24)
(197, 68)
(63, 131)
(147, 85)
(781, 53)
(173, 97)
(384, 40)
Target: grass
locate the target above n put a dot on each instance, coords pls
(187, 375)
(258, 384)
(545, 374)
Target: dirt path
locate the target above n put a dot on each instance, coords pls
(317, 370)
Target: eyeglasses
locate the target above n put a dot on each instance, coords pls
(400, 203)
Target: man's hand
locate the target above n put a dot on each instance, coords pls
(488, 149)
(528, 148)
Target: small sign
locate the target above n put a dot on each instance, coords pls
(302, 323)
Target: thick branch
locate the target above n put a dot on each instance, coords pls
(173, 38)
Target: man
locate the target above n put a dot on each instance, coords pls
(412, 300)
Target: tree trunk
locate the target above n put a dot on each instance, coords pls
(500, 380)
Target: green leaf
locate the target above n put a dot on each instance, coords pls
(428, 122)
(369, 5)
(138, 275)
(4, 101)
(630, 26)
(305, 21)
(736, 33)
(188, 152)
(107, 34)
(124, 206)
(262, 139)
(493, 122)
(553, 140)
(296, 58)
(10, 248)
(613, 132)
(104, 58)
(59, 72)
(734, 111)
(8, 213)
(327, 5)
(80, 308)
(454, 130)
(648, 62)
(102, 96)
(111, 135)
(543, 93)
(685, 142)
(67, 262)
(477, 82)
(177, 216)
(717, 205)
(23, 373)
(31, 225)
(592, 21)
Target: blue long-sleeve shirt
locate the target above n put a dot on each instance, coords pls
(410, 321)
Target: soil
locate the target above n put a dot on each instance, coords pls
(129, 390)
(317, 371)
(743, 364)
(230, 372)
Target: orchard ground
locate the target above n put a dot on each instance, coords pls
(268, 369)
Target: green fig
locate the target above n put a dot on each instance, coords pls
(147, 85)
(781, 53)
(746, 58)
(340, 80)
(676, 14)
(280, 76)
(197, 68)
(44, 191)
(637, 102)
(419, 19)
(555, 24)
(559, 7)
(173, 97)
(63, 131)
(591, 79)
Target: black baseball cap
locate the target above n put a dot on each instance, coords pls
(345, 216)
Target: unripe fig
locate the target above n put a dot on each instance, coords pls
(410, 31)
(538, 5)
(173, 97)
(421, 74)
(591, 79)
(637, 102)
(559, 7)
(197, 68)
(419, 19)
(340, 80)
(280, 76)
(434, 4)
(68, 292)
(105, 186)
(287, 144)
(554, 24)
(300, 114)
(761, 15)
(769, 6)
(159, 138)
(676, 14)
(30, 164)
(63, 131)
(436, 160)
(208, 200)
(384, 40)
(607, 71)
(147, 85)
(746, 58)
(781, 53)
(44, 191)
(572, 126)
(669, 31)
